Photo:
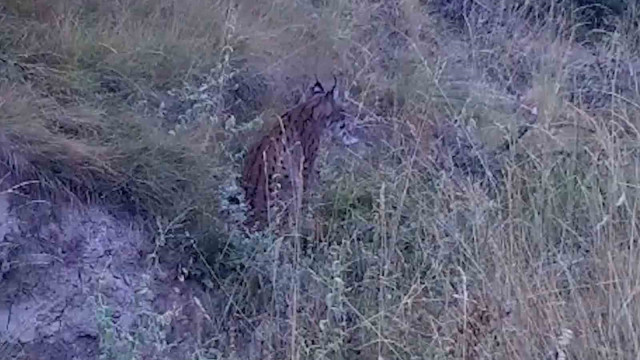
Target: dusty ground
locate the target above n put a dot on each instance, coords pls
(77, 280)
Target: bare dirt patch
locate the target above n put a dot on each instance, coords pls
(76, 284)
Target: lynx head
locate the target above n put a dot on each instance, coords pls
(339, 123)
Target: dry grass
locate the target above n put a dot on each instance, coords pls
(150, 102)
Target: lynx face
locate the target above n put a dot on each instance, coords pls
(343, 129)
(280, 166)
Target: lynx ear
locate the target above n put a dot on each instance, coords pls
(335, 92)
(317, 88)
(333, 96)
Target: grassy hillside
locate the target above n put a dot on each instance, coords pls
(427, 242)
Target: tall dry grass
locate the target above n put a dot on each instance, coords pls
(412, 256)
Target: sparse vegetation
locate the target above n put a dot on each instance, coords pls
(426, 243)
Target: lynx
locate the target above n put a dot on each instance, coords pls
(279, 167)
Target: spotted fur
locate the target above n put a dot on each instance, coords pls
(279, 167)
